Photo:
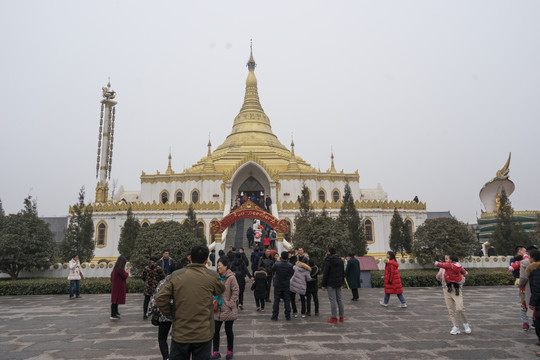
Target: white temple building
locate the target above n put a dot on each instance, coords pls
(251, 161)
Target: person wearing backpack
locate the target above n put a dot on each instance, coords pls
(239, 268)
(250, 236)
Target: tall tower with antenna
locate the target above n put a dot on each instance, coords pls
(105, 143)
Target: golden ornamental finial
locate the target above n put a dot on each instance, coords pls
(169, 168)
(108, 93)
(251, 62)
(505, 171)
(332, 167)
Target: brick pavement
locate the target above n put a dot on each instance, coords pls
(54, 327)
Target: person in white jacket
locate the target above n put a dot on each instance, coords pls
(74, 277)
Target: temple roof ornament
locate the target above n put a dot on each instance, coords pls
(332, 167)
(491, 191)
(108, 93)
(169, 168)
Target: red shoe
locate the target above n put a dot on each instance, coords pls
(332, 321)
(341, 319)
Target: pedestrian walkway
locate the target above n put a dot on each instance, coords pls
(54, 327)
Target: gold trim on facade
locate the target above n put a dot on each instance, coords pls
(315, 175)
(153, 206)
(524, 212)
(153, 179)
(364, 204)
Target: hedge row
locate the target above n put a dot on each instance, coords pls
(41, 286)
(409, 278)
(426, 277)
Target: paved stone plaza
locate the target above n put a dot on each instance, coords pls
(54, 327)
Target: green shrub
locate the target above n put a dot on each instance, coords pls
(48, 286)
(426, 277)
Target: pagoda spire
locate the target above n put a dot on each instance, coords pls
(332, 167)
(169, 168)
(105, 143)
(293, 163)
(251, 126)
(209, 162)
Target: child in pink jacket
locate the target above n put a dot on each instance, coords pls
(453, 272)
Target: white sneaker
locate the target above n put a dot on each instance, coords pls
(403, 305)
(467, 328)
(383, 303)
(455, 330)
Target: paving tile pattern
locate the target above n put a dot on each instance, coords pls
(54, 327)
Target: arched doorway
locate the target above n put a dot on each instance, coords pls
(251, 187)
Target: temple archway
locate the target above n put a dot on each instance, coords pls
(248, 210)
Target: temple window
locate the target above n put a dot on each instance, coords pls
(409, 225)
(202, 227)
(194, 196)
(322, 195)
(179, 196)
(101, 234)
(368, 228)
(335, 196)
(164, 197)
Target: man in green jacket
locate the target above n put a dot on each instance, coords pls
(191, 289)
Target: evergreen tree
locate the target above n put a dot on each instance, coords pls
(2, 213)
(536, 235)
(397, 237)
(507, 233)
(442, 236)
(191, 223)
(351, 220)
(171, 235)
(318, 232)
(30, 206)
(26, 242)
(407, 239)
(2, 216)
(79, 235)
(128, 235)
(306, 214)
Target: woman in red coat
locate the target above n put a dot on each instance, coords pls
(392, 281)
(118, 286)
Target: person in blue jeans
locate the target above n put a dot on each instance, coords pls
(75, 275)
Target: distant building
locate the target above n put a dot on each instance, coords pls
(439, 214)
(490, 197)
(58, 226)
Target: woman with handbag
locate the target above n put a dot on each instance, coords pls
(163, 322)
(225, 308)
(118, 286)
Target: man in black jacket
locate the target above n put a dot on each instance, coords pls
(332, 280)
(283, 271)
(267, 262)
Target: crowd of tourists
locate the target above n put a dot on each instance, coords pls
(264, 203)
(172, 294)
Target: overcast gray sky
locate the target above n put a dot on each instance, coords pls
(425, 97)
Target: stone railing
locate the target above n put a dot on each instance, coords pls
(96, 270)
(89, 270)
(469, 262)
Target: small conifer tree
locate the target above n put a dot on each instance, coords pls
(79, 235)
(128, 235)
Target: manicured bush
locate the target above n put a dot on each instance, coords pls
(40, 286)
(426, 278)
